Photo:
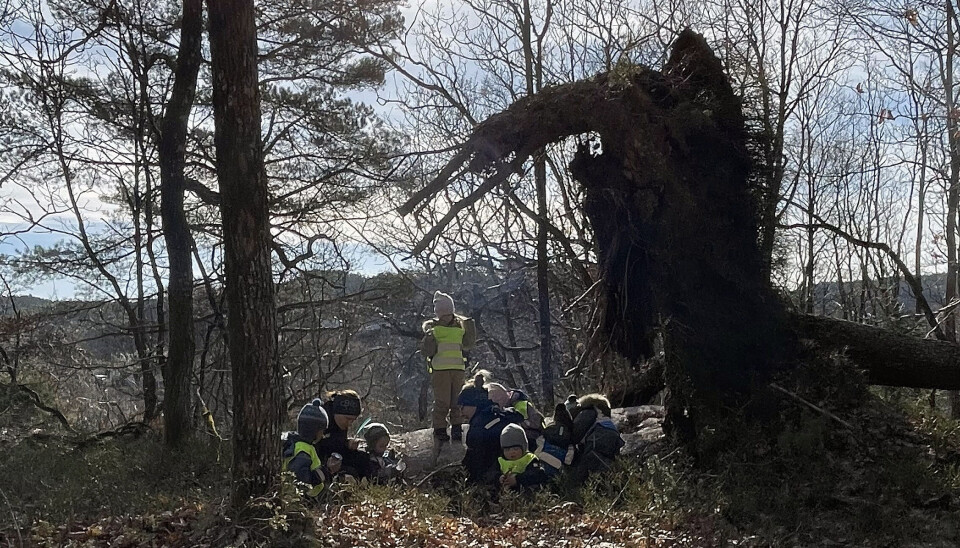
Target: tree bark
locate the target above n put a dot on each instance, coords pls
(251, 321)
(547, 380)
(953, 189)
(177, 414)
(888, 358)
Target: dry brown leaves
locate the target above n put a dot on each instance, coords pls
(564, 526)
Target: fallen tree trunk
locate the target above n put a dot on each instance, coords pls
(889, 358)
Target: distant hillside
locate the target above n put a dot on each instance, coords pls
(830, 298)
(24, 303)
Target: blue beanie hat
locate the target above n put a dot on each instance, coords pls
(311, 420)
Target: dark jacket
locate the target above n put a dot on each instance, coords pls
(336, 440)
(382, 469)
(301, 463)
(598, 444)
(483, 441)
(595, 433)
(532, 478)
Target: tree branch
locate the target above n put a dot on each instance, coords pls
(908, 276)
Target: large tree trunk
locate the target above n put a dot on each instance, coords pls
(251, 321)
(178, 422)
(675, 223)
(667, 193)
(887, 358)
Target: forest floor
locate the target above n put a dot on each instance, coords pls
(883, 470)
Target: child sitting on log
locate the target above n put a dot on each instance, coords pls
(382, 467)
(520, 470)
(597, 438)
(486, 421)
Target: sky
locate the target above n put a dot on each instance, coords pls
(11, 245)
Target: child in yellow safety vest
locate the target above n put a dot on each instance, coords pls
(520, 470)
(299, 454)
(444, 341)
(519, 401)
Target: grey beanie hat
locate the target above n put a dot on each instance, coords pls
(443, 304)
(312, 419)
(513, 436)
(373, 432)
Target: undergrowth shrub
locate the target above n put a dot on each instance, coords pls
(60, 483)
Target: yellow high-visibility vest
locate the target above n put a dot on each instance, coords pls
(516, 467)
(311, 451)
(521, 406)
(449, 354)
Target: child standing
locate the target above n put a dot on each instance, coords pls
(445, 338)
(381, 468)
(519, 468)
(299, 455)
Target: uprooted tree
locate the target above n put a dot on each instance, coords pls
(666, 181)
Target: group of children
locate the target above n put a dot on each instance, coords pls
(582, 436)
(507, 441)
(510, 446)
(321, 451)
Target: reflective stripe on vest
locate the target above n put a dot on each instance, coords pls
(449, 354)
(311, 451)
(551, 460)
(549, 456)
(516, 466)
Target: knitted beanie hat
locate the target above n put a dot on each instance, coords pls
(311, 420)
(346, 404)
(513, 436)
(443, 304)
(473, 394)
(373, 432)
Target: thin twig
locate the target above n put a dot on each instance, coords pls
(430, 475)
(609, 508)
(942, 316)
(822, 411)
(13, 515)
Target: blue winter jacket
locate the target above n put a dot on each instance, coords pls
(483, 441)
